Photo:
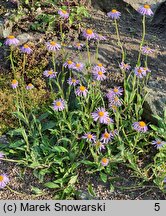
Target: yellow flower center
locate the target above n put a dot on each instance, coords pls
(158, 142)
(78, 44)
(142, 124)
(89, 136)
(139, 71)
(10, 37)
(146, 6)
(30, 85)
(26, 46)
(58, 103)
(82, 88)
(106, 135)
(100, 65)
(101, 114)
(89, 31)
(116, 90)
(53, 43)
(114, 107)
(1, 178)
(50, 72)
(93, 83)
(114, 11)
(78, 65)
(14, 81)
(116, 99)
(100, 73)
(104, 160)
(64, 12)
(69, 62)
(73, 80)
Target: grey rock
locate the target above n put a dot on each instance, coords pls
(159, 19)
(83, 195)
(5, 28)
(3, 139)
(23, 38)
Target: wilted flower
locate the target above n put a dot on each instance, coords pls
(81, 91)
(11, 40)
(140, 126)
(89, 34)
(70, 64)
(109, 121)
(147, 70)
(101, 115)
(104, 161)
(116, 91)
(140, 72)
(78, 66)
(112, 107)
(114, 14)
(145, 10)
(59, 104)
(124, 66)
(53, 46)
(99, 67)
(64, 14)
(147, 50)
(14, 84)
(78, 46)
(29, 86)
(99, 75)
(26, 49)
(99, 146)
(114, 133)
(115, 101)
(100, 37)
(106, 137)
(3, 180)
(72, 81)
(158, 143)
(49, 73)
(89, 137)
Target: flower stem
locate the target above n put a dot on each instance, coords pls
(88, 51)
(53, 61)
(12, 63)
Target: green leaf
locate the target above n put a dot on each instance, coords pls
(103, 177)
(16, 144)
(51, 185)
(36, 190)
(48, 125)
(154, 127)
(73, 180)
(91, 191)
(59, 149)
(20, 116)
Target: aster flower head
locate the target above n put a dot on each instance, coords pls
(116, 91)
(158, 143)
(99, 67)
(109, 121)
(14, 84)
(50, 73)
(29, 86)
(78, 46)
(147, 50)
(99, 146)
(100, 37)
(104, 161)
(81, 91)
(26, 49)
(63, 14)
(140, 126)
(114, 14)
(78, 66)
(115, 100)
(59, 104)
(69, 64)
(100, 115)
(140, 72)
(3, 180)
(106, 137)
(113, 107)
(11, 40)
(89, 137)
(53, 46)
(99, 75)
(114, 133)
(125, 66)
(89, 34)
(145, 10)
(72, 81)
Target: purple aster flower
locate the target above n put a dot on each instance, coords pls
(99, 75)
(78, 46)
(70, 64)
(140, 126)
(59, 105)
(100, 37)
(114, 133)
(1, 156)
(116, 91)
(114, 14)
(63, 14)
(106, 137)
(124, 66)
(112, 107)
(109, 121)
(147, 50)
(78, 66)
(26, 49)
(81, 91)
(89, 34)
(29, 86)
(147, 70)
(158, 143)
(49, 73)
(53, 46)
(14, 84)
(115, 101)
(89, 137)
(145, 10)
(11, 40)
(101, 115)
(99, 67)
(104, 161)
(3, 180)
(140, 72)
(72, 81)
(99, 146)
